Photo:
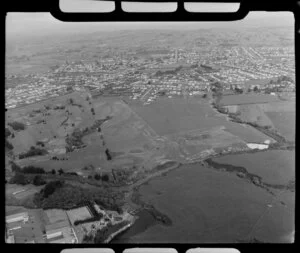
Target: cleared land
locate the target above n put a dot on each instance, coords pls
(171, 129)
(56, 215)
(23, 194)
(179, 115)
(186, 195)
(279, 115)
(247, 99)
(81, 213)
(274, 166)
(285, 123)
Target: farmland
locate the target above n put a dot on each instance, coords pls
(247, 99)
(186, 195)
(172, 129)
(274, 166)
(267, 111)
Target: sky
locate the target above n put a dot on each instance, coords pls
(43, 23)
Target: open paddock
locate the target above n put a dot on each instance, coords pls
(56, 215)
(248, 99)
(21, 192)
(284, 123)
(81, 213)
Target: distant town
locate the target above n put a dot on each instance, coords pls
(177, 72)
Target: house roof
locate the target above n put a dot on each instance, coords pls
(12, 216)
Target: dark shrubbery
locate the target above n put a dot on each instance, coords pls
(61, 171)
(51, 187)
(19, 178)
(17, 126)
(33, 152)
(105, 178)
(97, 177)
(69, 88)
(8, 145)
(88, 238)
(108, 155)
(72, 173)
(56, 194)
(33, 170)
(40, 143)
(38, 180)
(7, 132)
(15, 167)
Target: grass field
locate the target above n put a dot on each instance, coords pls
(81, 213)
(192, 197)
(278, 115)
(285, 123)
(177, 116)
(247, 99)
(56, 215)
(274, 166)
(21, 192)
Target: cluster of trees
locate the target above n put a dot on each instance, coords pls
(75, 138)
(281, 79)
(268, 90)
(51, 187)
(238, 90)
(108, 155)
(33, 152)
(59, 159)
(122, 175)
(17, 126)
(40, 143)
(59, 107)
(57, 194)
(33, 170)
(47, 107)
(22, 179)
(217, 86)
(255, 89)
(15, 167)
(19, 178)
(69, 88)
(8, 145)
(7, 132)
(38, 180)
(104, 177)
(162, 93)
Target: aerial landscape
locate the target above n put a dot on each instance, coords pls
(151, 134)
